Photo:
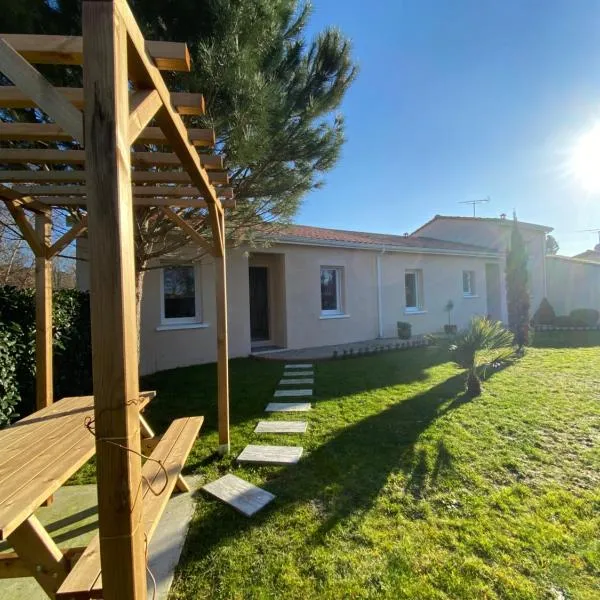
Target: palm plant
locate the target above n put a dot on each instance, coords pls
(482, 342)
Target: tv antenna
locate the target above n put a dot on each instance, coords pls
(474, 203)
(591, 231)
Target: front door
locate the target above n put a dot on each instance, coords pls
(259, 304)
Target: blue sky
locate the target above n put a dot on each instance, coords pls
(463, 99)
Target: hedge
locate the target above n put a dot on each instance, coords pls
(71, 348)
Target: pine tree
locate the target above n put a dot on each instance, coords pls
(517, 291)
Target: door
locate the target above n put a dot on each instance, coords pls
(259, 304)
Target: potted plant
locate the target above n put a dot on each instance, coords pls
(449, 329)
(404, 330)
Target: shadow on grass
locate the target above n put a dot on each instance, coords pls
(566, 339)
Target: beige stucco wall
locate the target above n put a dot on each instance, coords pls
(573, 284)
(497, 236)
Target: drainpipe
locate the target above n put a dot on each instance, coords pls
(379, 293)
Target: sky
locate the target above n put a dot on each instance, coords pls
(460, 100)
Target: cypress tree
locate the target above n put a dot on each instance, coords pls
(517, 288)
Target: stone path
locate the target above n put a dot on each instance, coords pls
(242, 495)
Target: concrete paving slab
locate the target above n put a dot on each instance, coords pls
(298, 366)
(292, 393)
(239, 494)
(72, 520)
(294, 373)
(281, 427)
(288, 407)
(270, 455)
(297, 381)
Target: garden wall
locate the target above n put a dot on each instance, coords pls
(572, 283)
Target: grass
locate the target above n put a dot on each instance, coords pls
(406, 489)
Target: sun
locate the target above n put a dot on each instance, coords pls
(585, 160)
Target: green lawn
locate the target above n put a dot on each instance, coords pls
(405, 490)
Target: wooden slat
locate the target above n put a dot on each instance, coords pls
(50, 132)
(174, 191)
(43, 176)
(26, 229)
(28, 79)
(13, 566)
(35, 546)
(68, 237)
(44, 388)
(65, 50)
(187, 229)
(137, 201)
(185, 103)
(85, 580)
(144, 73)
(113, 303)
(143, 105)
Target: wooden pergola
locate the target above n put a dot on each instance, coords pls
(124, 101)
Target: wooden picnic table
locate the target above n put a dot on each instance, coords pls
(37, 455)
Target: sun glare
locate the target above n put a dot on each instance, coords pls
(585, 160)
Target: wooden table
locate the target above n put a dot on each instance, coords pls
(37, 455)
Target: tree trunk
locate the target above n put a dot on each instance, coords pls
(473, 384)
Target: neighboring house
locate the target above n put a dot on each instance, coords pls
(572, 283)
(592, 255)
(315, 287)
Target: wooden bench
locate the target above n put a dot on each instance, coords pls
(85, 579)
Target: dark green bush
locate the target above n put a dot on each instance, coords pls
(545, 314)
(585, 317)
(71, 347)
(565, 321)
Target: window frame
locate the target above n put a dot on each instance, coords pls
(198, 317)
(339, 283)
(419, 300)
(472, 292)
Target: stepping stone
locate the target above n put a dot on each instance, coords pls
(288, 407)
(281, 427)
(241, 495)
(292, 393)
(298, 373)
(291, 381)
(270, 455)
(298, 366)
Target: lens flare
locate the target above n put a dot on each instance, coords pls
(585, 160)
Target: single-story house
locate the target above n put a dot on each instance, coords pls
(313, 287)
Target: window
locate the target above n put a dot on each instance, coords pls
(179, 299)
(331, 290)
(413, 289)
(469, 283)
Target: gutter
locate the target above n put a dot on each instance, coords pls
(399, 249)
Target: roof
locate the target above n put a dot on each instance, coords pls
(574, 259)
(339, 237)
(593, 255)
(496, 221)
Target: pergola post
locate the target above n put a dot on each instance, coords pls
(114, 337)
(222, 341)
(43, 315)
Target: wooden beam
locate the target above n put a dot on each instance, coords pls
(137, 201)
(113, 303)
(173, 191)
(143, 105)
(50, 132)
(222, 345)
(185, 103)
(143, 72)
(43, 176)
(67, 50)
(77, 157)
(67, 238)
(188, 229)
(31, 82)
(28, 232)
(36, 548)
(44, 388)
(13, 566)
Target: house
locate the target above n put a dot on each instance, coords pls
(313, 287)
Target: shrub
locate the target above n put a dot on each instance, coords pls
(565, 321)
(9, 388)
(585, 317)
(404, 330)
(545, 314)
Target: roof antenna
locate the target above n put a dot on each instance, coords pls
(475, 202)
(591, 231)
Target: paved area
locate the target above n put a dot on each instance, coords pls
(270, 455)
(288, 407)
(281, 427)
(241, 495)
(297, 381)
(72, 520)
(292, 393)
(321, 352)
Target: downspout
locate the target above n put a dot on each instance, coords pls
(379, 293)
